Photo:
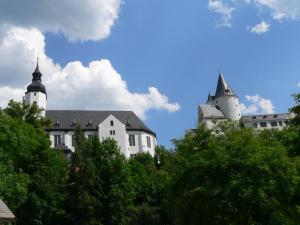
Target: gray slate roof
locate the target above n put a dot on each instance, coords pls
(5, 213)
(266, 117)
(223, 88)
(89, 120)
(211, 111)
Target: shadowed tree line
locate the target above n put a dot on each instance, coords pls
(237, 177)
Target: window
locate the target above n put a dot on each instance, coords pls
(34, 102)
(280, 123)
(255, 125)
(265, 116)
(253, 117)
(275, 116)
(112, 132)
(274, 123)
(111, 123)
(57, 140)
(73, 140)
(148, 142)
(131, 140)
(90, 136)
(132, 156)
(34, 94)
(263, 124)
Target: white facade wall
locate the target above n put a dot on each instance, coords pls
(38, 97)
(268, 123)
(144, 146)
(104, 132)
(121, 136)
(230, 106)
(132, 150)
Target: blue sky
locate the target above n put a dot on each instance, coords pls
(176, 47)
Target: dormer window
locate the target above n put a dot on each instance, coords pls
(265, 116)
(56, 123)
(74, 122)
(89, 123)
(253, 117)
(275, 116)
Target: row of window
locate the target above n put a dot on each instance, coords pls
(131, 139)
(264, 124)
(265, 116)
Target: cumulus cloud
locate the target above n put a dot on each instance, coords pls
(258, 105)
(96, 86)
(281, 9)
(278, 10)
(298, 84)
(225, 11)
(260, 28)
(77, 20)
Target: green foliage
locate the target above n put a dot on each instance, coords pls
(99, 187)
(32, 174)
(234, 178)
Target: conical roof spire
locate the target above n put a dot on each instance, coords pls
(209, 99)
(223, 88)
(37, 75)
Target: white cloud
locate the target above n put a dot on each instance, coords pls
(298, 84)
(225, 11)
(258, 105)
(75, 86)
(278, 10)
(260, 28)
(281, 9)
(77, 20)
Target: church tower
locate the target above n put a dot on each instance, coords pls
(226, 100)
(36, 91)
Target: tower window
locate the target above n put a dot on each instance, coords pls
(148, 142)
(57, 140)
(111, 123)
(131, 140)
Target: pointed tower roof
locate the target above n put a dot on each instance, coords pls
(210, 99)
(36, 84)
(223, 88)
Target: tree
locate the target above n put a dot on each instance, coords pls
(150, 179)
(237, 177)
(99, 187)
(36, 171)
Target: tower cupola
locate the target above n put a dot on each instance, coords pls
(36, 91)
(36, 84)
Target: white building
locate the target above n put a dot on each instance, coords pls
(224, 105)
(130, 133)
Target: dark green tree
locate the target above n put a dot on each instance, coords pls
(236, 177)
(99, 187)
(37, 171)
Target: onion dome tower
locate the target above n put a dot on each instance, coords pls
(36, 91)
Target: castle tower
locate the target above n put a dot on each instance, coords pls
(36, 91)
(226, 100)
